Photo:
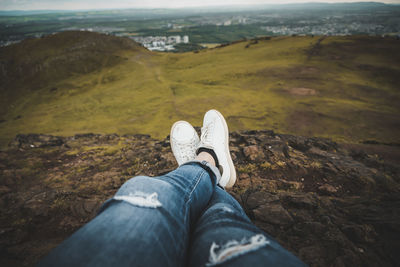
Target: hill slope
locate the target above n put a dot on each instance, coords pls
(36, 63)
(76, 82)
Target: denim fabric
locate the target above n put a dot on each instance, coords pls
(150, 220)
(237, 241)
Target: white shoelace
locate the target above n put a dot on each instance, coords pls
(207, 134)
(187, 151)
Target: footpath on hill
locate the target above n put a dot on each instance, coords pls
(330, 204)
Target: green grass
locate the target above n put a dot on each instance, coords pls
(355, 79)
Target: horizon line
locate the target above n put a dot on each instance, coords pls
(204, 6)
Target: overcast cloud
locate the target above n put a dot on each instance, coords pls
(101, 4)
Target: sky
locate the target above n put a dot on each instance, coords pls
(115, 4)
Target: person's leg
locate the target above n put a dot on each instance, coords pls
(225, 236)
(146, 223)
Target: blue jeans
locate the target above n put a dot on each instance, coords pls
(179, 219)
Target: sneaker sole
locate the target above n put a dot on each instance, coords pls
(232, 178)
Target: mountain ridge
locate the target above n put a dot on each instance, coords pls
(306, 4)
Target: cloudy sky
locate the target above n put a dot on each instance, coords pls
(100, 4)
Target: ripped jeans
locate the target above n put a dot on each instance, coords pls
(179, 219)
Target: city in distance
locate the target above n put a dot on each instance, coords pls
(186, 29)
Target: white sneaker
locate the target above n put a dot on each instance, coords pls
(184, 141)
(215, 136)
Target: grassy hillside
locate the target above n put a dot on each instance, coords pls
(346, 88)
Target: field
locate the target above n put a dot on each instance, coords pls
(345, 88)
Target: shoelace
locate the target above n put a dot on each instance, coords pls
(207, 133)
(187, 150)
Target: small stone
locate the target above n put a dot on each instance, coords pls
(3, 155)
(8, 177)
(253, 153)
(327, 189)
(301, 201)
(169, 158)
(4, 189)
(359, 233)
(326, 220)
(318, 152)
(273, 213)
(258, 198)
(289, 185)
(130, 155)
(329, 168)
(301, 215)
(244, 176)
(36, 140)
(299, 143)
(78, 210)
(90, 205)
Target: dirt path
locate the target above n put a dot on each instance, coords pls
(155, 70)
(315, 48)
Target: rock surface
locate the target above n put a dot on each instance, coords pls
(330, 204)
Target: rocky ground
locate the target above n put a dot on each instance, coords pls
(330, 204)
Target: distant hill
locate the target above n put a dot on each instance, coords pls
(76, 82)
(201, 9)
(29, 12)
(37, 63)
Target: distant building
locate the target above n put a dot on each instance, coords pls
(175, 39)
(227, 23)
(185, 39)
(160, 43)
